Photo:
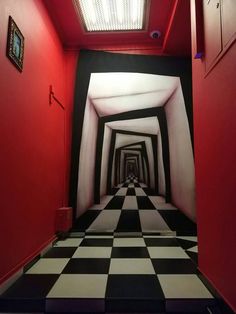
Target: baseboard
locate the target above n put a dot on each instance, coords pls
(223, 303)
(9, 278)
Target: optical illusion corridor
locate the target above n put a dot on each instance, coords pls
(133, 244)
(133, 252)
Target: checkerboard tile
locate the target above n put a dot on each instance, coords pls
(130, 202)
(119, 262)
(131, 266)
(74, 242)
(122, 192)
(92, 252)
(113, 271)
(48, 266)
(87, 266)
(167, 252)
(79, 286)
(183, 286)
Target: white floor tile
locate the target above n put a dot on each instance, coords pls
(106, 199)
(79, 286)
(193, 249)
(183, 286)
(92, 252)
(106, 221)
(98, 236)
(131, 266)
(165, 206)
(156, 200)
(131, 185)
(143, 185)
(124, 242)
(98, 206)
(72, 242)
(122, 192)
(151, 221)
(130, 202)
(140, 192)
(158, 236)
(167, 252)
(48, 266)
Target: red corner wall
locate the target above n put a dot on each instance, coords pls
(34, 137)
(214, 100)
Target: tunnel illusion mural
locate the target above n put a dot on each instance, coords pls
(132, 142)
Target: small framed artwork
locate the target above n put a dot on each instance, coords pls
(15, 44)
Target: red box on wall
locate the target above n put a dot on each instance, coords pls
(63, 219)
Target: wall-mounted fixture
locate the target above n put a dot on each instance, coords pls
(53, 97)
(198, 49)
(155, 34)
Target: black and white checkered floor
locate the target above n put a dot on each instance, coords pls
(103, 268)
(134, 207)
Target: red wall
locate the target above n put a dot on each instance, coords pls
(214, 99)
(34, 159)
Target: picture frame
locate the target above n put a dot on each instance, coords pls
(15, 44)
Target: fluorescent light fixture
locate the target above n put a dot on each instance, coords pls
(112, 15)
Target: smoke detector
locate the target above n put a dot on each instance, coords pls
(155, 34)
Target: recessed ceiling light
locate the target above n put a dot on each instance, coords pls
(112, 15)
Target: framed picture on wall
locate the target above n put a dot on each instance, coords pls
(15, 44)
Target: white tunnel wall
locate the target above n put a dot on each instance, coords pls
(141, 178)
(122, 160)
(181, 155)
(139, 161)
(85, 191)
(122, 139)
(105, 158)
(161, 171)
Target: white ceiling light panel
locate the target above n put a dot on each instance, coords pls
(112, 15)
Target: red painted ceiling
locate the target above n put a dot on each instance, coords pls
(171, 17)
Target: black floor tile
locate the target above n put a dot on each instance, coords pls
(130, 191)
(134, 286)
(193, 256)
(115, 203)
(186, 244)
(150, 192)
(87, 266)
(129, 252)
(189, 306)
(174, 266)
(125, 185)
(135, 306)
(129, 221)
(179, 222)
(75, 305)
(60, 252)
(97, 242)
(24, 305)
(161, 242)
(31, 286)
(144, 203)
(85, 220)
(137, 185)
(114, 191)
(27, 294)
(134, 293)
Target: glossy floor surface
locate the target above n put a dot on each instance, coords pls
(131, 253)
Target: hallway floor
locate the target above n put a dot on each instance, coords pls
(133, 207)
(131, 253)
